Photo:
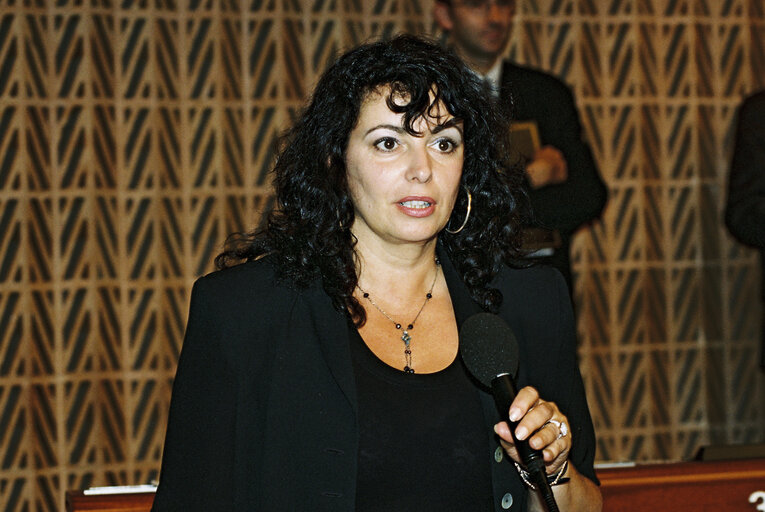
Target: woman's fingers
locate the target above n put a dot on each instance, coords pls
(539, 421)
(534, 419)
(546, 435)
(548, 440)
(526, 399)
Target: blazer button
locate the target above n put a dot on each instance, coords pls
(499, 454)
(507, 501)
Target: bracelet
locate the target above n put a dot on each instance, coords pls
(554, 479)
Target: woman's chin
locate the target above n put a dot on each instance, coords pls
(419, 236)
(411, 231)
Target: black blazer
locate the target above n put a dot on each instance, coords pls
(263, 412)
(745, 208)
(528, 94)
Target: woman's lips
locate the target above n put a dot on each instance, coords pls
(417, 206)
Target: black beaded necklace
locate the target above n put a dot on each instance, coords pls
(405, 336)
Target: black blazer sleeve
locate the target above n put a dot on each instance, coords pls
(538, 308)
(198, 457)
(745, 209)
(570, 392)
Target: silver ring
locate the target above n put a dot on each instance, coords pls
(562, 428)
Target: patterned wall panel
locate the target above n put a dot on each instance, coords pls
(658, 86)
(135, 136)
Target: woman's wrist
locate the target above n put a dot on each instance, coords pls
(557, 478)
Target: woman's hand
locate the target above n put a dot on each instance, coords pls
(540, 422)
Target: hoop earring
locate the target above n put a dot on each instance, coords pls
(467, 215)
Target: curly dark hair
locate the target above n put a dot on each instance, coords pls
(309, 230)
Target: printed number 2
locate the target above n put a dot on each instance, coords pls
(758, 496)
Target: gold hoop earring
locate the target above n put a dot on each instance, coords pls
(467, 215)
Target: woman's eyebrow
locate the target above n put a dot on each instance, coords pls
(453, 122)
(397, 129)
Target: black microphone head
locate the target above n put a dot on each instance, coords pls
(488, 347)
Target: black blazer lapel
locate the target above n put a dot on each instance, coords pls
(463, 304)
(332, 331)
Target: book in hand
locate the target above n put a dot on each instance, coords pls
(524, 140)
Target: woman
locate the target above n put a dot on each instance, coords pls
(322, 374)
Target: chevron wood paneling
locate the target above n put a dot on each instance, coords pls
(135, 136)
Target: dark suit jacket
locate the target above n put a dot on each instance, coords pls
(745, 209)
(263, 413)
(528, 94)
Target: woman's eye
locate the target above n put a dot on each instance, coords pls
(446, 145)
(386, 144)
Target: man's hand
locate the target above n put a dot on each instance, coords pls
(548, 167)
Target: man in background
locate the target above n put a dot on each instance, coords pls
(745, 210)
(565, 188)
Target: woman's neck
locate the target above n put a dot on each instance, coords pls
(398, 273)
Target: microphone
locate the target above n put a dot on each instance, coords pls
(490, 352)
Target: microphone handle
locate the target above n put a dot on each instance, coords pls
(504, 391)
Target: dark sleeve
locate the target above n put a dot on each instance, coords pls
(538, 308)
(574, 399)
(745, 209)
(197, 461)
(582, 197)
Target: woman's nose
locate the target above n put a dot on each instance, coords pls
(420, 165)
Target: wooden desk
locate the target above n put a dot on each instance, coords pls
(718, 486)
(76, 501)
(721, 486)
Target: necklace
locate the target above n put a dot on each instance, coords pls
(405, 336)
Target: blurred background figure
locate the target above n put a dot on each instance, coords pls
(564, 184)
(745, 209)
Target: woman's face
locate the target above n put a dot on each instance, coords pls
(403, 186)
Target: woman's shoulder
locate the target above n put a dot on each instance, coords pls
(250, 282)
(533, 282)
(536, 297)
(261, 269)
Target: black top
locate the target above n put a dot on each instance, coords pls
(403, 416)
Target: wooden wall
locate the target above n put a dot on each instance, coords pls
(135, 135)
